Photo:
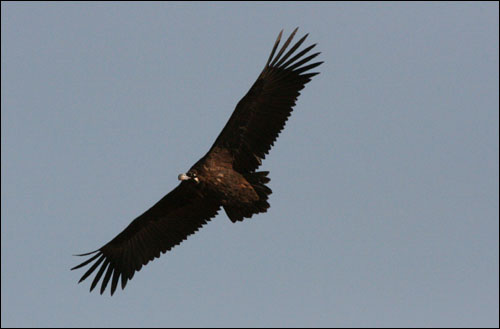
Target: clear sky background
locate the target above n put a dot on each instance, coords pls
(384, 209)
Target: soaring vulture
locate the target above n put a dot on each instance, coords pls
(225, 177)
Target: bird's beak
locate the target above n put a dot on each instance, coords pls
(183, 177)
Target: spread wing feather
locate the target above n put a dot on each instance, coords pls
(262, 113)
(170, 221)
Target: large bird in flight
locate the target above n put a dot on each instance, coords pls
(225, 177)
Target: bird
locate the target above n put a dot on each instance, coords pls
(225, 177)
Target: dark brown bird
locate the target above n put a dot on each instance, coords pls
(225, 177)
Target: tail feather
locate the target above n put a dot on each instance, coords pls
(258, 181)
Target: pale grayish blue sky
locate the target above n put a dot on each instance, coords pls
(385, 180)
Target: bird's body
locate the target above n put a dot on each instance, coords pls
(225, 177)
(233, 190)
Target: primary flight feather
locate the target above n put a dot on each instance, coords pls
(225, 177)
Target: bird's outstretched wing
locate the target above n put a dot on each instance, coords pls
(180, 213)
(261, 114)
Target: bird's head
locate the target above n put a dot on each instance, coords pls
(189, 176)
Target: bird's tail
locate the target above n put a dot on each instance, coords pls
(258, 180)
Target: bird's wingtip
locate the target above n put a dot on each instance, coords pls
(86, 254)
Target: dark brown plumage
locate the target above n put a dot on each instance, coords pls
(224, 177)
